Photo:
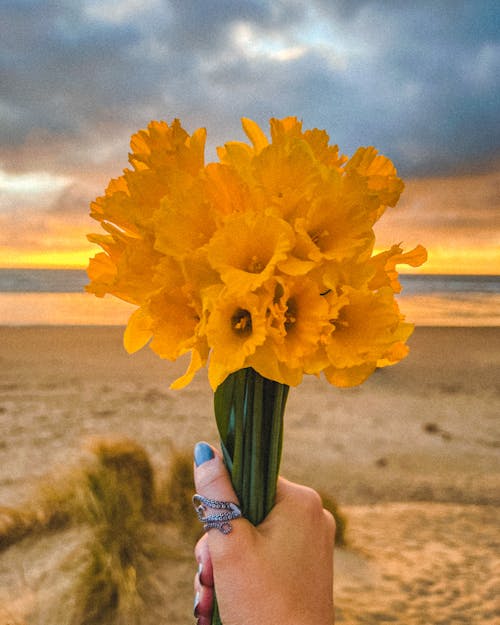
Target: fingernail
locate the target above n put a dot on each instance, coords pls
(202, 453)
(195, 606)
(200, 570)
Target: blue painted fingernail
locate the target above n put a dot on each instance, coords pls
(202, 453)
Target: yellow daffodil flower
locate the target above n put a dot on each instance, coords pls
(263, 259)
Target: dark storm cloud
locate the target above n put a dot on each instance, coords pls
(429, 86)
(60, 71)
(418, 80)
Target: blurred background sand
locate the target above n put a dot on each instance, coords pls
(411, 456)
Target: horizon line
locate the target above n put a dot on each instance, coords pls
(407, 272)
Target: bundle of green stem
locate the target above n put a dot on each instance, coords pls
(249, 412)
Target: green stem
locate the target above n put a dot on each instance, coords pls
(249, 413)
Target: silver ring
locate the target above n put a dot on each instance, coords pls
(228, 511)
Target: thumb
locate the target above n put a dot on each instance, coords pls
(212, 480)
(211, 477)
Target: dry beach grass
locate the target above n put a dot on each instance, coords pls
(411, 456)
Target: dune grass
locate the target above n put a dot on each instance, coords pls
(116, 503)
(340, 519)
(112, 497)
(174, 495)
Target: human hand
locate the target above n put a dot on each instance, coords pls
(277, 573)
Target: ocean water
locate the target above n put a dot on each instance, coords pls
(57, 297)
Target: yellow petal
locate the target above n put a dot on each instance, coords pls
(198, 360)
(254, 133)
(349, 376)
(138, 331)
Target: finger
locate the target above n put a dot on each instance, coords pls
(212, 480)
(292, 495)
(211, 477)
(282, 489)
(203, 581)
(203, 602)
(294, 504)
(205, 573)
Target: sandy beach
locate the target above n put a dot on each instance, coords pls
(412, 457)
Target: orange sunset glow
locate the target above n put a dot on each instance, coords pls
(451, 216)
(440, 260)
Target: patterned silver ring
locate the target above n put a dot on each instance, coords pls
(227, 511)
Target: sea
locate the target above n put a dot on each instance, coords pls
(57, 297)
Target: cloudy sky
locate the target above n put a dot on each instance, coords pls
(419, 80)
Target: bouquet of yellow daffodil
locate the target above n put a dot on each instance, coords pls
(261, 266)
